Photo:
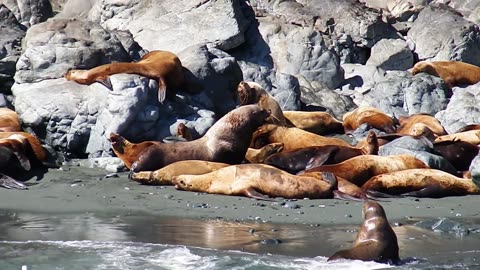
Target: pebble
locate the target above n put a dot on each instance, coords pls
(291, 205)
(168, 196)
(111, 175)
(251, 231)
(270, 241)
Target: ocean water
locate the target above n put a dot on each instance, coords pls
(86, 241)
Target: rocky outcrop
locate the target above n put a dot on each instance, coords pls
(391, 54)
(29, 12)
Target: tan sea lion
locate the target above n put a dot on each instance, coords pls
(9, 120)
(164, 176)
(127, 151)
(226, 141)
(454, 73)
(471, 136)
(376, 240)
(407, 124)
(421, 183)
(468, 127)
(258, 180)
(304, 158)
(259, 155)
(316, 122)
(292, 138)
(162, 66)
(372, 116)
(34, 148)
(361, 168)
(253, 93)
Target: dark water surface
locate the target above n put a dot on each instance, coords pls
(87, 241)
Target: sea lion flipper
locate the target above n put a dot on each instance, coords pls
(318, 160)
(337, 194)
(431, 191)
(373, 194)
(23, 159)
(105, 82)
(252, 193)
(162, 89)
(10, 183)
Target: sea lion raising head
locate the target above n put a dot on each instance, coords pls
(127, 151)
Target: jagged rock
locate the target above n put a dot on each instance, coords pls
(463, 108)
(441, 33)
(29, 12)
(391, 54)
(475, 170)
(362, 77)
(57, 5)
(465, 7)
(78, 9)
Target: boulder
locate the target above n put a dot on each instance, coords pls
(362, 77)
(29, 12)
(465, 7)
(391, 54)
(78, 9)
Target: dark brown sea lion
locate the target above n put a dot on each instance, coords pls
(258, 180)
(376, 240)
(292, 138)
(454, 73)
(369, 115)
(253, 93)
(468, 127)
(304, 158)
(421, 183)
(184, 132)
(407, 124)
(164, 176)
(471, 136)
(34, 148)
(361, 168)
(320, 123)
(162, 66)
(459, 154)
(9, 120)
(17, 146)
(226, 141)
(259, 155)
(127, 151)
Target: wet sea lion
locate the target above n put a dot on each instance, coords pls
(454, 73)
(9, 120)
(292, 138)
(361, 168)
(369, 115)
(226, 141)
(127, 151)
(407, 124)
(164, 176)
(259, 155)
(316, 122)
(300, 159)
(421, 183)
(253, 93)
(471, 136)
(258, 180)
(162, 66)
(376, 240)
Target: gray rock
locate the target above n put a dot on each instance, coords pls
(110, 164)
(441, 33)
(362, 78)
(78, 9)
(29, 12)
(475, 170)
(465, 7)
(463, 108)
(180, 23)
(391, 54)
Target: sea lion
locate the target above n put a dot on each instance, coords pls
(13, 145)
(376, 240)
(253, 93)
(361, 168)
(372, 116)
(471, 136)
(300, 159)
(316, 122)
(258, 181)
(164, 176)
(468, 127)
(9, 120)
(421, 183)
(460, 154)
(127, 151)
(292, 138)
(407, 124)
(184, 132)
(34, 149)
(454, 73)
(226, 141)
(259, 155)
(162, 66)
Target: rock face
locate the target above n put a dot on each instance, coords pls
(391, 54)
(441, 33)
(29, 12)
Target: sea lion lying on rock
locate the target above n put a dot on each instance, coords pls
(454, 73)
(369, 115)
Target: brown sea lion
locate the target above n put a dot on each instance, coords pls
(164, 176)
(460, 154)
(361, 168)
(259, 155)
(127, 151)
(226, 141)
(471, 136)
(407, 124)
(34, 148)
(184, 132)
(292, 138)
(300, 159)
(376, 240)
(9, 120)
(316, 122)
(454, 73)
(258, 180)
(468, 127)
(369, 115)
(421, 183)
(253, 93)
(162, 66)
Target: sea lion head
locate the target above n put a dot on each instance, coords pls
(77, 75)
(186, 183)
(249, 92)
(420, 129)
(184, 132)
(423, 66)
(118, 143)
(372, 143)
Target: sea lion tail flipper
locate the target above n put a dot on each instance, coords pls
(373, 194)
(8, 182)
(337, 194)
(431, 191)
(252, 193)
(318, 160)
(105, 82)
(23, 159)
(162, 89)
